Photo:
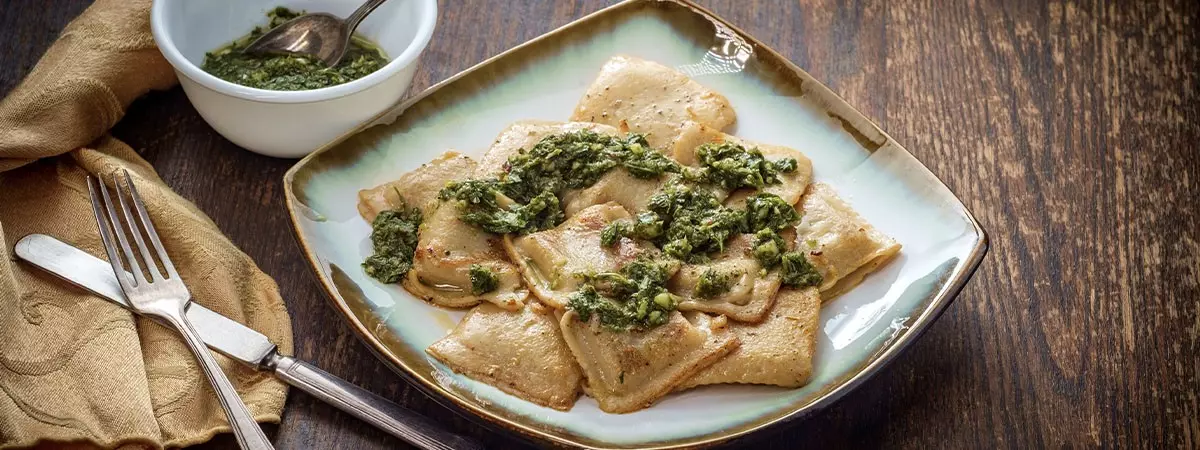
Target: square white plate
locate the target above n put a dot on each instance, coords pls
(543, 79)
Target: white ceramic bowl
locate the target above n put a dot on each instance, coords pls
(288, 124)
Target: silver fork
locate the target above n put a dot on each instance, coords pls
(163, 297)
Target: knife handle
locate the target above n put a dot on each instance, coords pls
(378, 411)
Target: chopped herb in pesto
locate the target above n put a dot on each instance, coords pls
(483, 204)
(646, 226)
(289, 72)
(635, 297)
(798, 271)
(768, 248)
(769, 211)
(394, 240)
(733, 166)
(577, 160)
(525, 198)
(588, 301)
(695, 223)
(483, 280)
(614, 231)
(685, 221)
(766, 216)
(713, 283)
(557, 163)
(642, 161)
(688, 222)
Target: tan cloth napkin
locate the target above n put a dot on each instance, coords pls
(74, 369)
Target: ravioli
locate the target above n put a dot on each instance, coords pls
(779, 351)
(523, 135)
(748, 299)
(641, 96)
(842, 246)
(792, 184)
(618, 186)
(446, 246)
(519, 352)
(552, 260)
(692, 135)
(416, 189)
(628, 371)
(446, 250)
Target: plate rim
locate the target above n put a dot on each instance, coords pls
(882, 358)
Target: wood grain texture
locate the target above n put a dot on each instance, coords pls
(1070, 129)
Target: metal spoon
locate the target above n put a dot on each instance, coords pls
(323, 36)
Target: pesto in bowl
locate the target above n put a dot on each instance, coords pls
(289, 72)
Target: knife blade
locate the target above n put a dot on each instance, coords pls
(95, 275)
(247, 346)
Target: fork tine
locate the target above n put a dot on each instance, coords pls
(133, 229)
(119, 231)
(149, 226)
(106, 233)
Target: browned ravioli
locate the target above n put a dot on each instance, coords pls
(519, 352)
(446, 246)
(630, 370)
(751, 293)
(552, 261)
(646, 97)
(779, 351)
(843, 246)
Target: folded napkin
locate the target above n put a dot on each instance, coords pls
(76, 370)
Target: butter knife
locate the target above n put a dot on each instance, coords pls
(247, 346)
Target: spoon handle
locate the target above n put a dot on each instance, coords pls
(361, 13)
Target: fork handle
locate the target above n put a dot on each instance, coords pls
(390, 417)
(249, 435)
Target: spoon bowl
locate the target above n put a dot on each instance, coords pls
(322, 36)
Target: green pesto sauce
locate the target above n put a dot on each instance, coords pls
(689, 223)
(289, 72)
(769, 211)
(686, 221)
(526, 199)
(713, 283)
(768, 248)
(483, 280)
(483, 203)
(798, 272)
(634, 298)
(394, 241)
(694, 222)
(733, 166)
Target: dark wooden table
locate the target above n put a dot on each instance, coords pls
(1070, 129)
